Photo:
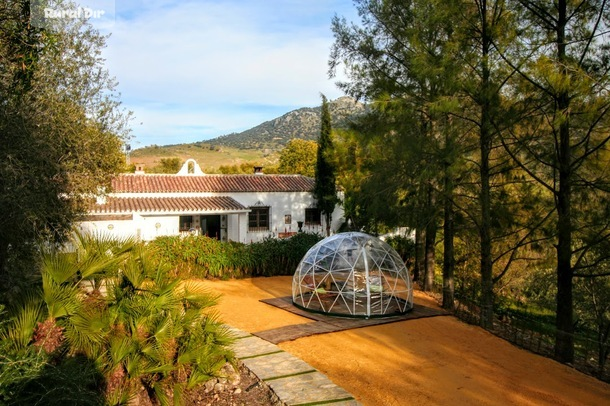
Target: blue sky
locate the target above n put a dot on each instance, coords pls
(195, 70)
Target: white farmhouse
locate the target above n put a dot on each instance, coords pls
(243, 208)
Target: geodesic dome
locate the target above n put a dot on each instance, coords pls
(355, 275)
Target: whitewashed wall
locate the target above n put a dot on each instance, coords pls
(148, 227)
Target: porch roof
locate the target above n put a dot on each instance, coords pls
(215, 204)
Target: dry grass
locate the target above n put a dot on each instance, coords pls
(208, 159)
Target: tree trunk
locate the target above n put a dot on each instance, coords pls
(430, 238)
(418, 269)
(564, 339)
(448, 254)
(430, 243)
(487, 295)
(329, 219)
(486, 135)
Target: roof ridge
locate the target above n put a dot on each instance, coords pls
(213, 174)
(214, 183)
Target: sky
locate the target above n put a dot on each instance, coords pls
(193, 70)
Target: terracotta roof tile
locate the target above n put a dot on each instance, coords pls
(137, 183)
(167, 204)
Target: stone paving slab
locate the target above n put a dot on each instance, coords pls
(237, 333)
(252, 347)
(292, 380)
(313, 387)
(277, 365)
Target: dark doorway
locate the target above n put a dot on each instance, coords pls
(211, 226)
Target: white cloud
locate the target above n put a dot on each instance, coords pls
(190, 64)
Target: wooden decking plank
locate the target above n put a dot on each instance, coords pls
(329, 324)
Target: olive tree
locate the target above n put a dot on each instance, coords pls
(61, 126)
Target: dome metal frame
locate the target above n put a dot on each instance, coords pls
(353, 275)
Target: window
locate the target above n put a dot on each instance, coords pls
(186, 223)
(313, 217)
(258, 219)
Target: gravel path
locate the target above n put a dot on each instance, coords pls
(432, 361)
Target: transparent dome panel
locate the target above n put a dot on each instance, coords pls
(354, 275)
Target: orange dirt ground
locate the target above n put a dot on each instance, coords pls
(432, 361)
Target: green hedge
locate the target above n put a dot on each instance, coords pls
(204, 257)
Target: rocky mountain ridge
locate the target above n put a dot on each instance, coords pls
(302, 123)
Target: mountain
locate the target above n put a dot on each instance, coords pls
(260, 144)
(301, 123)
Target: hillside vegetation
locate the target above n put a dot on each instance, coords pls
(302, 123)
(210, 157)
(260, 144)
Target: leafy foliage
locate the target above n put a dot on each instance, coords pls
(61, 127)
(404, 246)
(325, 188)
(204, 257)
(491, 118)
(170, 165)
(33, 378)
(298, 157)
(281, 256)
(245, 168)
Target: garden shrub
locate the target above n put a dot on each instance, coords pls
(281, 256)
(204, 257)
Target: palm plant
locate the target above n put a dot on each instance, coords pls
(161, 330)
(112, 303)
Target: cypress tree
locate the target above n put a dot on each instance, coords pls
(325, 189)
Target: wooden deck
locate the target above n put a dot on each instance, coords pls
(328, 324)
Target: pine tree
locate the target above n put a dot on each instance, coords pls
(563, 88)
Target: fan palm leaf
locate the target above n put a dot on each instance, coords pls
(19, 330)
(195, 292)
(86, 331)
